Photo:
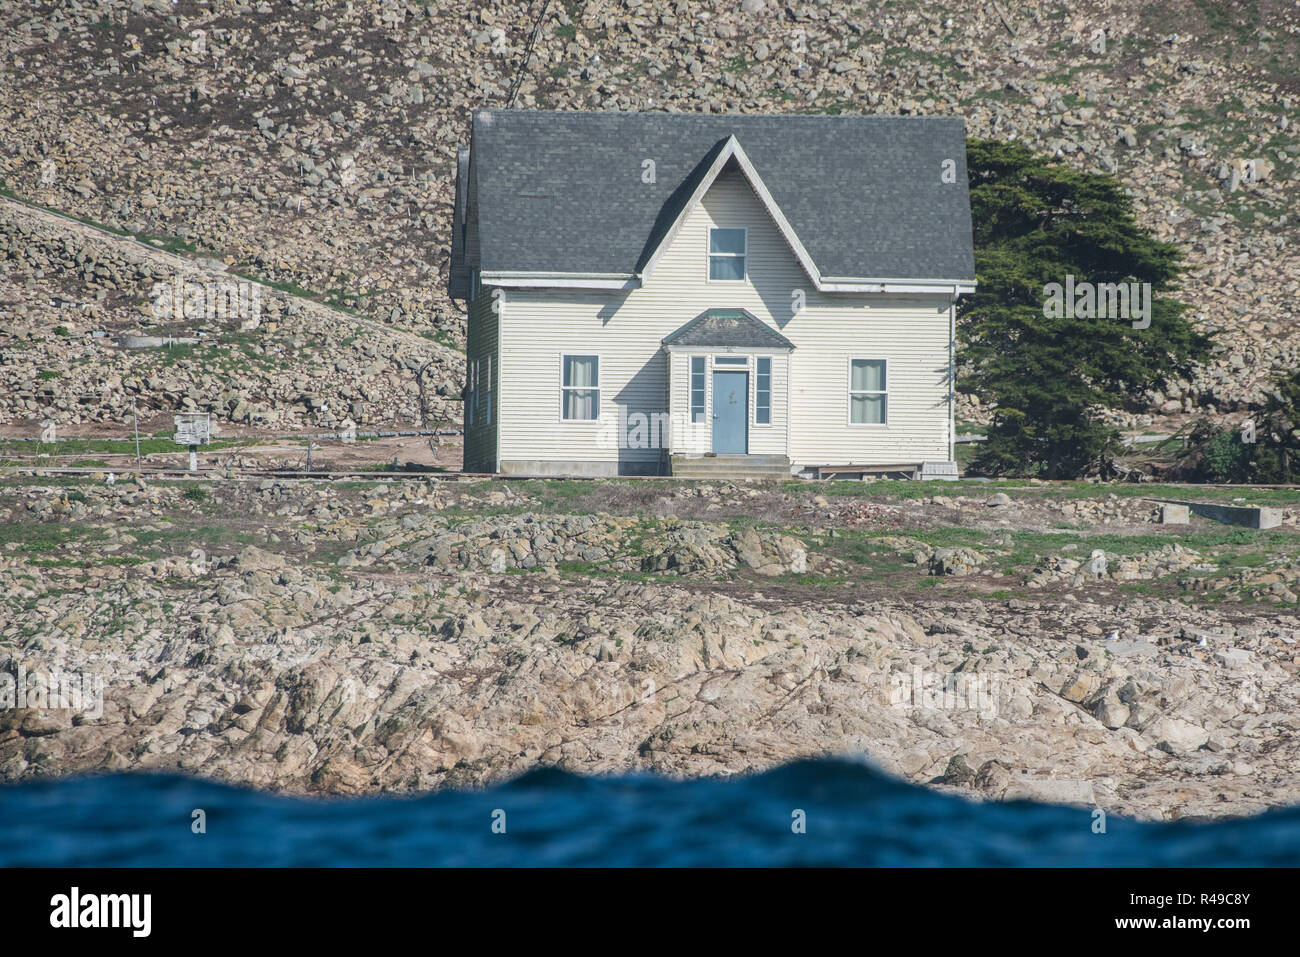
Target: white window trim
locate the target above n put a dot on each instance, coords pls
(709, 254)
(600, 362)
(848, 410)
(471, 399)
(771, 392)
(690, 390)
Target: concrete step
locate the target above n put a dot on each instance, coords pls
(765, 467)
(732, 467)
(682, 472)
(734, 459)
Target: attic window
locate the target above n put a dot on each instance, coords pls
(727, 255)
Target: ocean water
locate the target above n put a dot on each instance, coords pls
(851, 815)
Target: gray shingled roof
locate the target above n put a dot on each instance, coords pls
(716, 328)
(562, 191)
(458, 280)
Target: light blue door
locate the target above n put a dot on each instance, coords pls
(730, 412)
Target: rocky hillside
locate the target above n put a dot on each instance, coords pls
(297, 363)
(311, 145)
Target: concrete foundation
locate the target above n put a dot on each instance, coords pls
(542, 468)
(1175, 515)
(1249, 516)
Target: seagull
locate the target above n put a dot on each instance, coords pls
(1203, 643)
(1114, 635)
(111, 478)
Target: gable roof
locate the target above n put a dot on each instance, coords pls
(561, 193)
(720, 328)
(730, 152)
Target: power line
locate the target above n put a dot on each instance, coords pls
(518, 81)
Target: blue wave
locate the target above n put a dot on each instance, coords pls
(853, 815)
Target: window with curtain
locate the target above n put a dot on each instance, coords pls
(698, 364)
(727, 254)
(868, 392)
(763, 391)
(580, 388)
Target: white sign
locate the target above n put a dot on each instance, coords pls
(192, 428)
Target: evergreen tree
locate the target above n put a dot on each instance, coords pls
(1216, 453)
(1277, 459)
(1037, 222)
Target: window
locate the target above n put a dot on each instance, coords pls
(731, 360)
(698, 364)
(868, 395)
(580, 388)
(763, 391)
(727, 255)
(471, 400)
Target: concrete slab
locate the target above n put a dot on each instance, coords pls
(1248, 516)
(1175, 515)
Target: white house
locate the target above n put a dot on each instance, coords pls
(690, 294)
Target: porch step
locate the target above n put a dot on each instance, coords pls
(760, 467)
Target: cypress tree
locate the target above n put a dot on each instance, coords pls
(1036, 222)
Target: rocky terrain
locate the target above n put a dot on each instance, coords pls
(1052, 642)
(311, 146)
(292, 364)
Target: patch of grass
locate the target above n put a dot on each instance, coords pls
(443, 338)
(44, 536)
(150, 445)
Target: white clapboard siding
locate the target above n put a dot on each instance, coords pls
(481, 344)
(626, 330)
(913, 339)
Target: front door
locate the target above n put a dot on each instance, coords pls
(730, 412)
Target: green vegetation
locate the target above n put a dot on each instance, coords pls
(149, 445)
(1036, 222)
(443, 338)
(1268, 454)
